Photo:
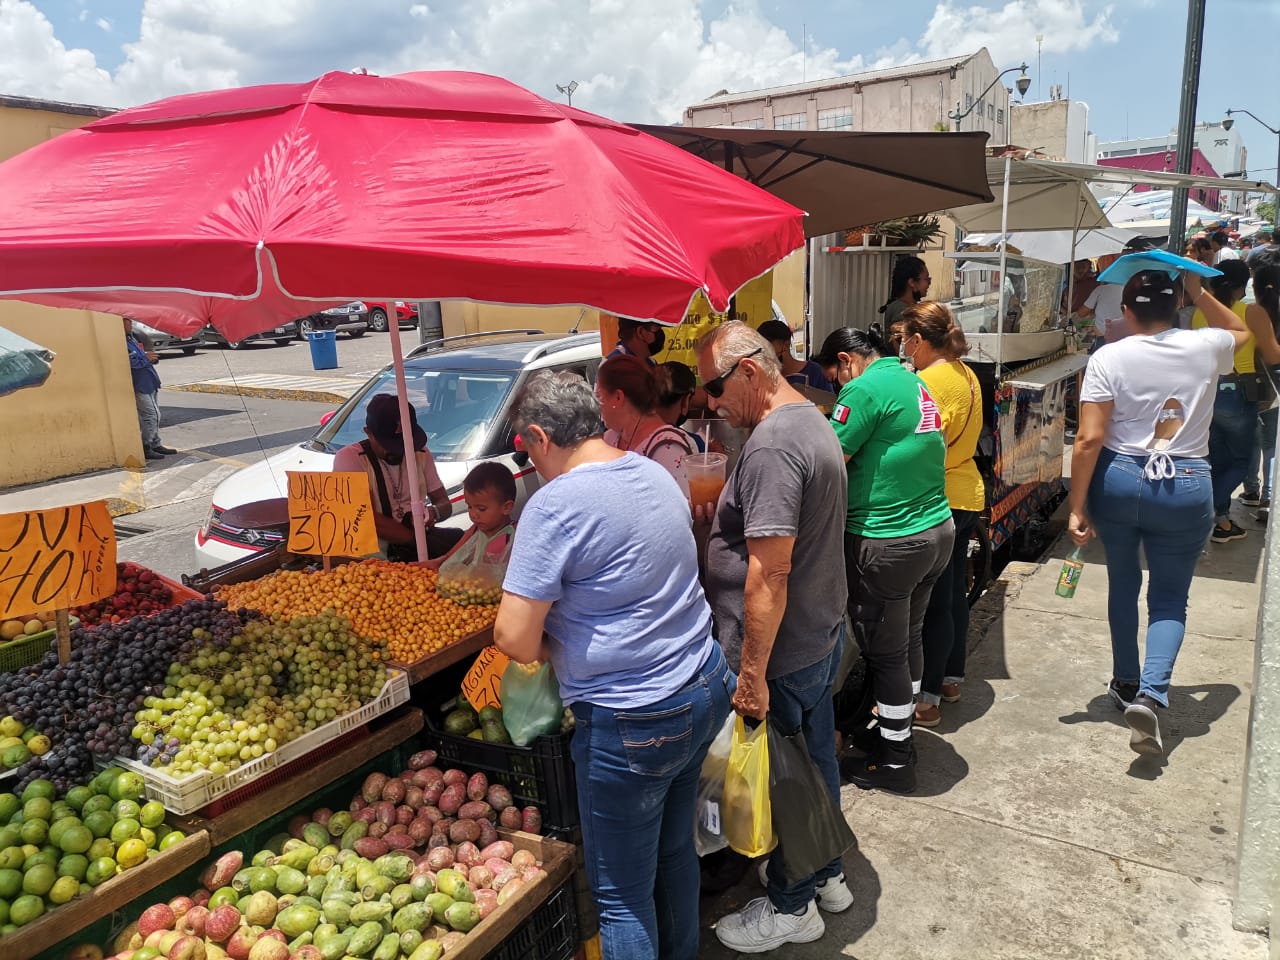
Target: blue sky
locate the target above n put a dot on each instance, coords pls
(646, 60)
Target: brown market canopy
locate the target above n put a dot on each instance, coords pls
(845, 179)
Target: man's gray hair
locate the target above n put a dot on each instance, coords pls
(733, 340)
(562, 404)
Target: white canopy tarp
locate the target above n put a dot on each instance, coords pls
(1054, 246)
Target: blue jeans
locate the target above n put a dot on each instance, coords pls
(637, 772)
(1231, 441)
(802, 701)
(1264, 453)
(1170, 520)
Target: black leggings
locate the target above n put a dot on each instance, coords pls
(889, 585)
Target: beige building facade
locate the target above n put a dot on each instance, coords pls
(919, 96)
(83, 417)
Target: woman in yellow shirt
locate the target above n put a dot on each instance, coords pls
(934, 344)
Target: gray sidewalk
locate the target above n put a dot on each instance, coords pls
(1036, 832)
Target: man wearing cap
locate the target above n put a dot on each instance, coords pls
(639, 338)
(381, 458)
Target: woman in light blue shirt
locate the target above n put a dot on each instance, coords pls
(604, 562)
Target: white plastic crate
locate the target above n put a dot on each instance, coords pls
(196, 790)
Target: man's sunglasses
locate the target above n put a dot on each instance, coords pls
(715, 388)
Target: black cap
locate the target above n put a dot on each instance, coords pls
(382, 420)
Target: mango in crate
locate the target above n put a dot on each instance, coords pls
(28, 626)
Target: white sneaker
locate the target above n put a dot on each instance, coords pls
(758, 927)
(832, 895)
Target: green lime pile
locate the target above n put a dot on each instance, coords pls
(52, 850)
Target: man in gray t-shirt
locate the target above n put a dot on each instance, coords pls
(776, 582)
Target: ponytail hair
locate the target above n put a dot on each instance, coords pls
(1266, 290)
(933, 323)
(867, 344)
(1152, 296)
(905, 270)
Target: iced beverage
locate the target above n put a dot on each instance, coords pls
(705, 473)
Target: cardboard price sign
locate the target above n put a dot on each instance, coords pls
(482, 685)
(330, 514)
(55, 559)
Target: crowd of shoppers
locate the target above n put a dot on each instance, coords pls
(660, 630)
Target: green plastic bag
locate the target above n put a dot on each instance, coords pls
(531, 705)
(747, 811)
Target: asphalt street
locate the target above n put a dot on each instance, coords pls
(356, 358)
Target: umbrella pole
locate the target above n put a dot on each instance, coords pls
(406, 431)
(1004, 266)
(1071, 264)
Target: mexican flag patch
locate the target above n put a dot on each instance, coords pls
(840, 414)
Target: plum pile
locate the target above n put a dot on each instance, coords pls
(87, 705)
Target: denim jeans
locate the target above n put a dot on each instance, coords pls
(148, 419)
(637, 772)
(1170, 520)
(1264, 453)
(946, 621)
(802, 701)
(1231, 440)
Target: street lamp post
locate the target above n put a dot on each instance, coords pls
(1275, 198)
(1023, 84)
(568, 89)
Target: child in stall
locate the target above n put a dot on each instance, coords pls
(490, 494)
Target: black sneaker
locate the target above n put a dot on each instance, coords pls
(152, 454)
(1228, 533)
(161, 449)
(1252, 498)
(866, 773)
(1121, 693)
(1145, 726)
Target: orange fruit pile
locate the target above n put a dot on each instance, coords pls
(393, 602)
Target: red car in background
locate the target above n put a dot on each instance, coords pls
(406, 314)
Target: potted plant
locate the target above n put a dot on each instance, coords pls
(915, 231)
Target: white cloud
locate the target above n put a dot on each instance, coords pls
(103, 24)
(633, 61)
(1010, 31)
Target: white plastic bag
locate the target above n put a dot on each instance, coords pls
(708, 830)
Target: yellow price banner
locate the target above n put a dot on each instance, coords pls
(330, 514)
(56, 559)
(482, 686)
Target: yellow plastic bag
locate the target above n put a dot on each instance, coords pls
(748, 816)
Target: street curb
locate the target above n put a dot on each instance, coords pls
(266, 393)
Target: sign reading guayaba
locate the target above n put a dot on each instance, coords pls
(56, 559)
(330, 514)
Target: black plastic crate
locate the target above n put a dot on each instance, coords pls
(549, 933)
(539, 775)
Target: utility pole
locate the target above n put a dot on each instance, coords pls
(1187, 120)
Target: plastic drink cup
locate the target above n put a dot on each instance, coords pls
(705, 474)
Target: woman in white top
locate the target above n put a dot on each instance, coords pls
(628, 392)
(1140, 478)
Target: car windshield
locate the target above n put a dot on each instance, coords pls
(454, 407)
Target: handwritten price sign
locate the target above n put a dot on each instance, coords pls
(55, 559)
(483, 683)
(330, 514)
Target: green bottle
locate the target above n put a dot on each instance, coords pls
(1069, 579)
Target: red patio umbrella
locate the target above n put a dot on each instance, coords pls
(246, 207)
(250, 206)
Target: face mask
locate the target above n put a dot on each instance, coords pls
(902, 353)
(659, 341)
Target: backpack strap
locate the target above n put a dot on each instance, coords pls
(665, 436)
(371, 463)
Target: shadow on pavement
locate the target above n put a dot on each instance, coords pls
(1192, 713)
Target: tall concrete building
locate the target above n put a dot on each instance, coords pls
(1224, 150)
(918, 96)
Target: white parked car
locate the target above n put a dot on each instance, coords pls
(462, 389)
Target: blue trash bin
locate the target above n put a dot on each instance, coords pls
(324, 349)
